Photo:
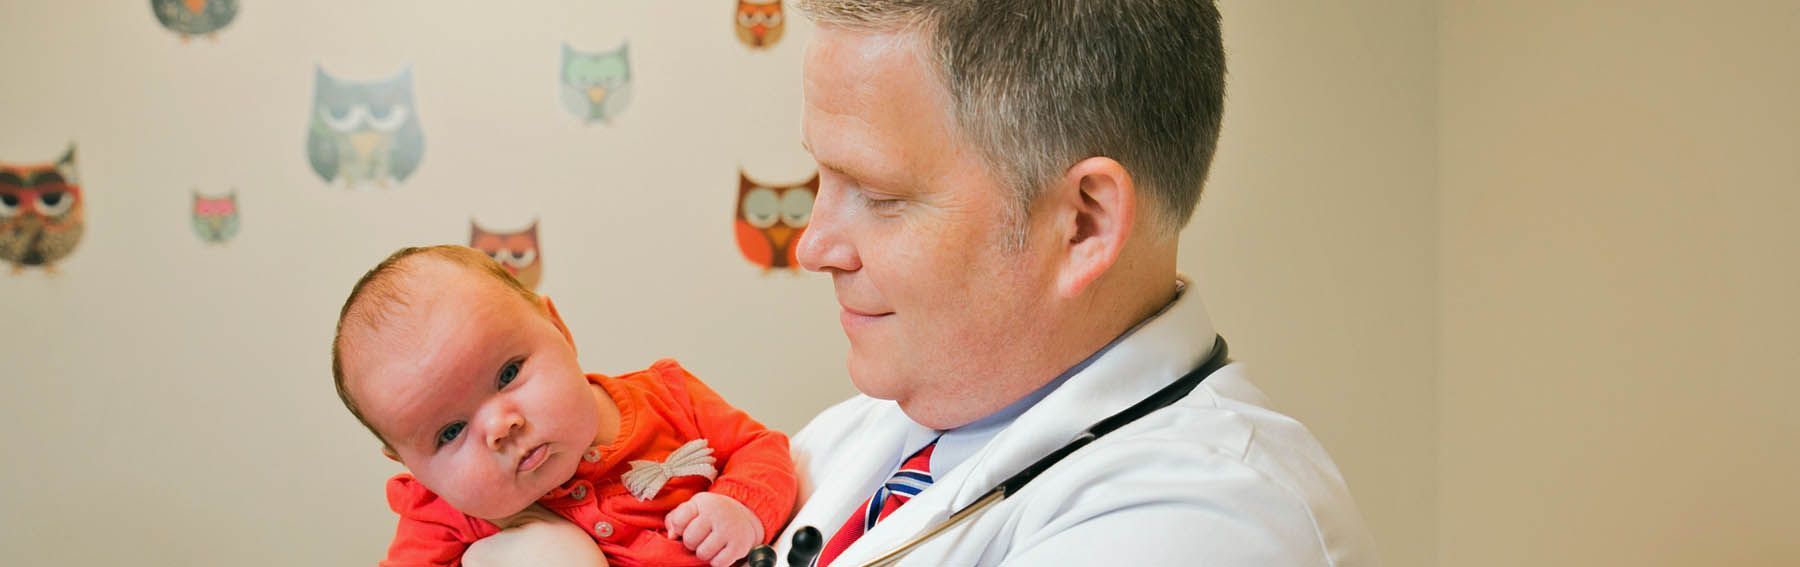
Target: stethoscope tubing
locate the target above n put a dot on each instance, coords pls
(1163, 398)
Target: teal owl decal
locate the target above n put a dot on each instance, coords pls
(596, 86)
(215, 219)
(364, 133)
(194, 17)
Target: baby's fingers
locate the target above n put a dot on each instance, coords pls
(697, 531)
(733, 551)
(679, 518)
(709, 549)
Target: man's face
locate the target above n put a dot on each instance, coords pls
(912, 225)
(477, 391)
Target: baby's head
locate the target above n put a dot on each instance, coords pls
(467, 377)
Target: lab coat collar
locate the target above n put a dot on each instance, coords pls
(1156, 354)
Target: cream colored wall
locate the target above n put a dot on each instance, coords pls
(171, 399)
(1316, 242)
(1619, 268)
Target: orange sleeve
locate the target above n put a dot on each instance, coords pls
(431, 533)
(757, 471)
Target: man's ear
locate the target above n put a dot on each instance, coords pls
(556, 318)
(388, 452)
(1097, 203)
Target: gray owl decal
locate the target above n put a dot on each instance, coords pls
(194, 17)
(364, 133)
(596, 86)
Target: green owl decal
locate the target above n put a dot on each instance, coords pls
(364, 133)
(215, 219)
(596, 87)
(195, 17)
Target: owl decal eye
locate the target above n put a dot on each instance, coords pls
(9, 205)
(796, 207)
(347, 121)
(762, 208)
(515, 258)
(393, 120)
(748, 19)
(772, 19)
(54, 203)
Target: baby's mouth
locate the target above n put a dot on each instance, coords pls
(535, 458)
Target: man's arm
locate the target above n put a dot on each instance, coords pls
(1220, 515)
(536, 537)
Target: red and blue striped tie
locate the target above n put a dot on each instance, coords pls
(913, 477)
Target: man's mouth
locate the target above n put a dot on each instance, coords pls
(535, 458)
(852, 317)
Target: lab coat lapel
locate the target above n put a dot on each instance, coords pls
(863, 465)
(1158, 353)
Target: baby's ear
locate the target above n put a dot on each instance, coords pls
(556, 318)
(388, 452)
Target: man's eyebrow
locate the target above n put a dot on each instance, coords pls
(832, 166)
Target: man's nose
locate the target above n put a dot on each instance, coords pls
(826, 245)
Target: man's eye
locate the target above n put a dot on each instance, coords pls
(449, 433)
(883, 205)
(509, 373)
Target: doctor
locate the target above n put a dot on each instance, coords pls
(1002, 188)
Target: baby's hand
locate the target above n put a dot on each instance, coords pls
(716, 528)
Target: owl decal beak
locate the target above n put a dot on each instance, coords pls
(364, 142)
(780, 234)
(596, 94)
(195, 6)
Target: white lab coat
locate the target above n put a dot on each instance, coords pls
(1217, 479)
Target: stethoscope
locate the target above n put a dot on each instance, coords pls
(807, 542)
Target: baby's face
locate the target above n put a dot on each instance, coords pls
(477, 391)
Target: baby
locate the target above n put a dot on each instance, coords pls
(470, 380)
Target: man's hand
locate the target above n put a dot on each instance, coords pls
(716, 528)
(535, 537)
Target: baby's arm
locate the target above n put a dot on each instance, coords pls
(756, 490)
(535, 537)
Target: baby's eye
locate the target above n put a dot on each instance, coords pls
(509, 373)
(449, 433)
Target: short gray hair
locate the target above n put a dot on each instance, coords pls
(1038, 85)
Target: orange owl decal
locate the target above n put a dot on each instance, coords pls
(770, 219)
(515, 251)
(41, 213)
(760, 23)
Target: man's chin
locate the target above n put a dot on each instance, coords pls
(875, 379)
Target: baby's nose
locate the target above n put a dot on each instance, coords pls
(504, 426)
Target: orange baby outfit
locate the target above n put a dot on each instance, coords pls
(660, 409)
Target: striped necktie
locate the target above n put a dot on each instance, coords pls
(913, 477)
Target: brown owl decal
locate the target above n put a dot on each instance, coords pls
(515, 251)
(759, 24)
(770, 219)
(40, 213)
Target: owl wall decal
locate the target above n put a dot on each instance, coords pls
(515, 251)
(215, 219)
(195, 17)
(596, 86)
(760, 23)
(771, 218)
(364, 133)
(41, 217)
